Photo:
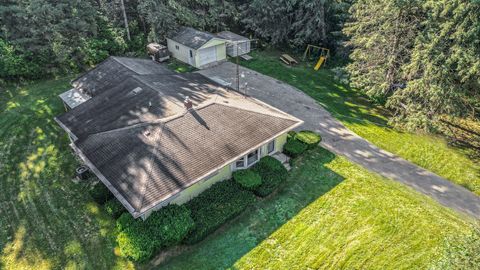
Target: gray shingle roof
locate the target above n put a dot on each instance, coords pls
(113, 70)
(176, 154)
(110, 129)
(192, 38)
(232, 36)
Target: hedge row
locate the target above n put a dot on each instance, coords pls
(272, 172)
(114, 208)
(215, 206)
(298, 143)
(247, 179)
(138, 239)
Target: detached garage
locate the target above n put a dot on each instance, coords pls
(196, 48)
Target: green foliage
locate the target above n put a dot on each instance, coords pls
(272, 172)
(461, 252)
(114, 208)
(247, 179)
(424, 64)
(138, 239)
(295, 23)
(215, 206)
(294, 148)
(291, 135)
(310, 138)
(100, 193)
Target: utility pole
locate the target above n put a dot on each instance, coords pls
(125, 20)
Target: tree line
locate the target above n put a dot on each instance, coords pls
(419, 58)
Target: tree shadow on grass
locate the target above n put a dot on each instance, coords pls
(308, 180)
(46, 220)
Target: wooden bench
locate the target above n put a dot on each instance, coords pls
(287, 59)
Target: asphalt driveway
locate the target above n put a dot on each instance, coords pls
(340, 140)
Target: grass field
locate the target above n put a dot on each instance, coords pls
(46, 220)
(358, 114)
(330, 214)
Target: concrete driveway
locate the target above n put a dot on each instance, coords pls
(340, 140)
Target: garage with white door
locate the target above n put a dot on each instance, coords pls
(207, 55)
(197, 48)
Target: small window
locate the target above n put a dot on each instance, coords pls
(240, 163)
(252, 157)
(191, 53)
(271, 147)
(177, 47)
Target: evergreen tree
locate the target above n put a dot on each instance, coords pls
(444, 73)
(382, 34)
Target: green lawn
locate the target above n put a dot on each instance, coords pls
(355, 111)
(46, 221)
(330, 214)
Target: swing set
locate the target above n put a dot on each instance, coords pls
(313, 51)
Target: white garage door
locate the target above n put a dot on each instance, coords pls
(207, 55)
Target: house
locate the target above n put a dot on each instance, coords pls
(196, 48)
(236, 44)
(155, 137)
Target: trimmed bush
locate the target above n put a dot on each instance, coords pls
(310, 138)
(294, 148)
(247, 179)
(139, 240)
(114, 208)
(272, 173)
(215, 206)
(100, 193)
(291, 135)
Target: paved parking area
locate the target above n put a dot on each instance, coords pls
(340, 140)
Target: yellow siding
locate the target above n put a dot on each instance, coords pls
(280, 142)
(193, 191)
(221, 52)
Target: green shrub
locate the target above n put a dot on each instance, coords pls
(291, 135)
(310, 138)
(247, 179)
(294, 148)
(272, 173)
(139, 240)
(213, 207)
(100, 193)
(114, 208)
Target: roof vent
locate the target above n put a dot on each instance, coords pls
(188, 103)
(136, 90)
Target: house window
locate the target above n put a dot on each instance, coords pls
(191, 53)
(252, 157)
(240, 163)
(271, 147)
(177, 47)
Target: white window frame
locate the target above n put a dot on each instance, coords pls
(258, 152)
(245, 160)
(274, 146)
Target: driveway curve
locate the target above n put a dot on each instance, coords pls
(340, 140)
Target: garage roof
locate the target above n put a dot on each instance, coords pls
(191, 37)
(232, 36)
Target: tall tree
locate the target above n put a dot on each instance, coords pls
(295, 22)
(382, 33)
(444, 73)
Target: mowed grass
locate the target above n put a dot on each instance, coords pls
(330, 214)
(369, 121)
(46, 220)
